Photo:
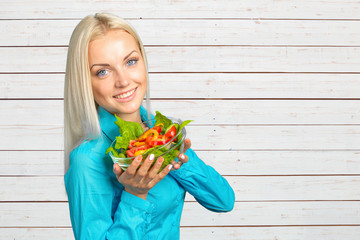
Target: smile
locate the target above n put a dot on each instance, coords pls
(125, 95)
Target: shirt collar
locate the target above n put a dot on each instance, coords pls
(107, 122)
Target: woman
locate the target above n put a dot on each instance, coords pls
(106, 74)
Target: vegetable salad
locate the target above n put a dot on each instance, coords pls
(163, 139)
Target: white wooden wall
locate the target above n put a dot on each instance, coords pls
(273, 87)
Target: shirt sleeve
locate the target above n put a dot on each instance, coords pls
(91, 204)
(207, 186)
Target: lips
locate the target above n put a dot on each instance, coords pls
(126, 96)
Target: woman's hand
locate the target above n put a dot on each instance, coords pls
(139, 181)
(182, 157)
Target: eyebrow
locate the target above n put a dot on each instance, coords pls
(107, 65)
(100, 64)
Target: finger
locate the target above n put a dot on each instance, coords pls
(187, 144)
(183, 158)
(155, 168)
(131, 170)
(143, 170)
(173, 162)
(160, 175)
(117, 170)
(177, 165)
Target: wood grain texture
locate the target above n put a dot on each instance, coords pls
(203, 85)
(197, 32)
(244, 214)
(229, 112)
(209, 233)
(192, 59)
(277, 137)
(266, 233)
(246, 188)
(324, 9)
(273, 87)
(243, 163)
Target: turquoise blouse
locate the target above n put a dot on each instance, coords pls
(100, 208)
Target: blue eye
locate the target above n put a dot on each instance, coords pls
(101, 72)
(131, 62)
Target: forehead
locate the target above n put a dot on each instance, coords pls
(113, 41)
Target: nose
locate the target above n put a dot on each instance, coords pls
(121, 79)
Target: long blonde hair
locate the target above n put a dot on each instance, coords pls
(80, 109)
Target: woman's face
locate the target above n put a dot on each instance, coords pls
(118, 74)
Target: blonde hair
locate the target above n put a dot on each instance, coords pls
(80, 109)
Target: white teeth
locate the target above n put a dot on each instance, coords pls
(125, 95)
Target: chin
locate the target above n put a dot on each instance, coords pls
(132, 108)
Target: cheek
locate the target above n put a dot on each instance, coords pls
(139, 78)
(139, 75)
(100, 90)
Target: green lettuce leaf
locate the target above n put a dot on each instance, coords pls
(128, 131)
(113, 150)
(159, 150)
(159, 118)
(182, 125)
(131, 129)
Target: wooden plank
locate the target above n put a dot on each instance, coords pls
(246, 188)
(208, 233)
(266, 233)
(24, 138)
(191, 59)
(53, 189)
(33, 59)
(32, 163)
(50, 112)
(244, 214)
(37, 233)
(275, 137)
(204, 85)
(254, 59)
(34, 215)
(282, 162)
(275, 213)
(279, 137)
(31, 86)
(333, 9)
(23, 163)
(196, 32)
(263, 112)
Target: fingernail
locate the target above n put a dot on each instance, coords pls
(182, 156)
(160, 159)
(138, 158)
(187, 140)
(152, 156)
(114, 167)
(170, 167)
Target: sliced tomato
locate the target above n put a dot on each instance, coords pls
(131, 143)
(131, 152)
(171, 132)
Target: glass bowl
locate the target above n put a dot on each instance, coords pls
(168, 151)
